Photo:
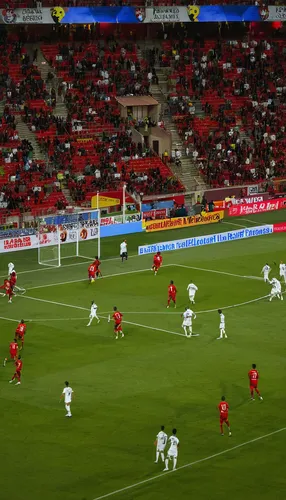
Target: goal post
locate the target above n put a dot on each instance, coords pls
(68, 236)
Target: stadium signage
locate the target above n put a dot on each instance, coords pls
(160, 213)
(257, 208)
(180, 222)
(19, 243)
(138, 15)
(209, 239)
(243, 201)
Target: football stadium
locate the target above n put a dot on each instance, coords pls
(142, 250)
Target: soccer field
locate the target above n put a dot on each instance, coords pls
(126, 389)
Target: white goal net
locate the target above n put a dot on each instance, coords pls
(68, 236)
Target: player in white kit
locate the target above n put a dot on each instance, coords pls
(123, 250)
(266, 270)
(188, 316)
(67, 394)
(172, 451)
(221, 325)
(276, 290)
(160, 443)
(11, 268)
(192, 289)
(93, 313)
(282, 271)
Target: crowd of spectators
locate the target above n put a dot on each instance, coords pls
(241, 88)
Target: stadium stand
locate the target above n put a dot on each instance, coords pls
(239, 138)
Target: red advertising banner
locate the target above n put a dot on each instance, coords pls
(155, 214)
(257, 208)
(279, 227)
(19, 243)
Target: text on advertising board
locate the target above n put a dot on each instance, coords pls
(257, 208)
(179, 222)
(209, 239)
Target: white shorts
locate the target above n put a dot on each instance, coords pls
(222, 326)
(161, 448)
(93, 314)
(192, 295)
(266, 277)
(187, 322)
(172, 454)
(68, 401)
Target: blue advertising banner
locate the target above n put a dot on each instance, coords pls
(137, 15)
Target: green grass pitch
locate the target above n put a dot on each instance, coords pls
(126, 389)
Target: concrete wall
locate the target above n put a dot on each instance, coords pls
(164, 138)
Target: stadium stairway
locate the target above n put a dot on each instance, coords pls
(188, 173)
(25, 133)
(45, 68)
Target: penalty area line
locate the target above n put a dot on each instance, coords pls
(86, 279)
(201, 460)
(100, 315)
(218, 272)
(179, 313)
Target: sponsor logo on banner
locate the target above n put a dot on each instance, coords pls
(104, 201)
(179, 222)
(257, 208)
(279, 227)
(209, 239)
(273, 13)
(243, 201)
(19, 243)
(160, 213)
(167, 15)
(27, 16)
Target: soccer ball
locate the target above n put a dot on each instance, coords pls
(92, 280)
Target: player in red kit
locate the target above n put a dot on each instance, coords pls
(91, 273)
(172, 292)
(8, 290)
(223, 408)
(17, 374)
(13, 280)
(96, 264)
(253, 376)
(117, 317)
(13, 348)
(20, 332)
(157, 262)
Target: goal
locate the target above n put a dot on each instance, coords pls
(68, 236)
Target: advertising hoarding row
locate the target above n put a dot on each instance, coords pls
(139, 15)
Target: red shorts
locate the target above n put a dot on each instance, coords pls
(117, 328)
(20, 337)
(91, 275)
(172, 296)
(253, 384)
(13, 354)
(223, 418)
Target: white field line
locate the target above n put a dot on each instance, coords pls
(210, 457)
(218, 272)
(104, 317)
(86, 279)
(179, 313)
(256, 222)
(10, 319)
(143, 270)
(233, 224)
(68, 265)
